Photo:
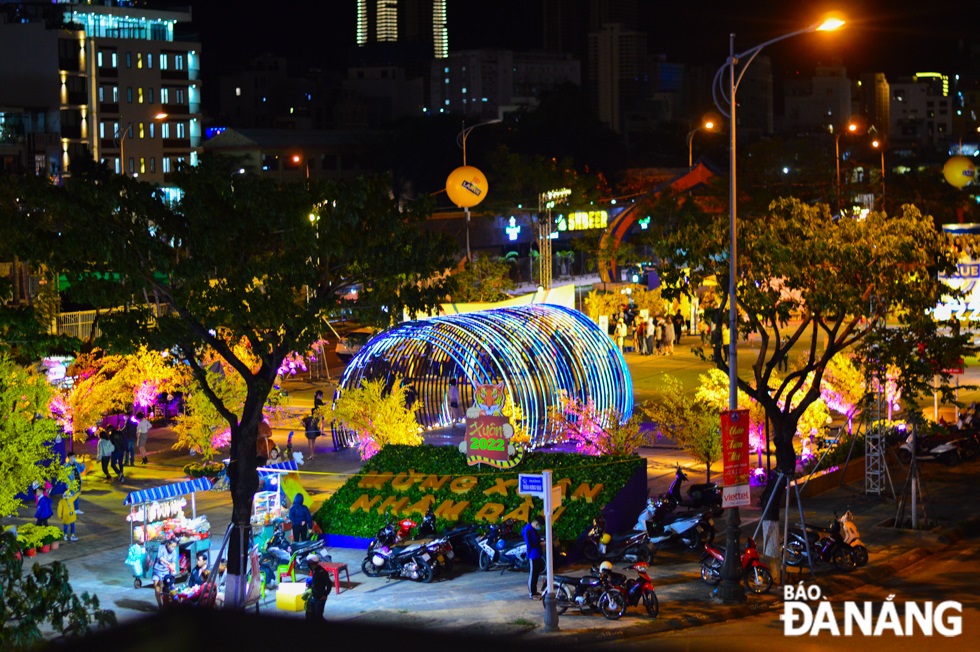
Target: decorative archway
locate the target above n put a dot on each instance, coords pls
(622, 223)
(534, 351)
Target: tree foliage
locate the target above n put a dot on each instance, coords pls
(804, 279)
(694, 423)
(484, 279)
(235, 254)
(378, 415)
(26, 434)
(41, 598)
(594, 431)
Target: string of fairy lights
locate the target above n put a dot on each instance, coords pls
(535, 351)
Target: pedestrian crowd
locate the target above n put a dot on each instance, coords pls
(648, 335)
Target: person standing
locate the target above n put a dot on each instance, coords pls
(319, 588)
(639, 335)
(68, 515)
(43, 511)
(75, 469)
(118, 451)
(129, 441)
(142, 434)
(651, 331)
(726, 340)
(452, 399)
(621, 332)
(165, 564)
(535, 556)
(300, 518)
(668, 337)
(678, 325)
(104, 452)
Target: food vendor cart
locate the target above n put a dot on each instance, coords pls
(158, 513)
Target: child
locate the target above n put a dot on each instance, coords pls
(43, 511)
(67, 514)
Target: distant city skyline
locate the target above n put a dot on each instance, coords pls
(882, 35)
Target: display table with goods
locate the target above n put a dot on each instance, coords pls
(156, 515)
(278, 483)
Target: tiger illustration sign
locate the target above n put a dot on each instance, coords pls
(488, 431)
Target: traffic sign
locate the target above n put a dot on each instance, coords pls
(530, 484)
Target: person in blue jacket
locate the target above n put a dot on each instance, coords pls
(535, 555)
(43, 511)
(300, 518)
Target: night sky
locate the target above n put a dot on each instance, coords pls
(894, 36)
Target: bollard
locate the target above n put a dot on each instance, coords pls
(550, 612)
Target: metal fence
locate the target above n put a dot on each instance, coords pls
(83, 324)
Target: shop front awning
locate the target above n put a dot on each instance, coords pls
(168, 491)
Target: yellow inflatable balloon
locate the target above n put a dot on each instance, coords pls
(466, 186)
(959, 171)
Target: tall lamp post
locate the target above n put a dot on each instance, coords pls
(730, 589)
(853, 127)
(122, 134)
(879, 145)
(707, 125)
(461, 141)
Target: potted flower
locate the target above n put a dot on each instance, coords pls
(29, 539)
(206, 469)
(51, 537)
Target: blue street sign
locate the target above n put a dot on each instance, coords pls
(531, 484)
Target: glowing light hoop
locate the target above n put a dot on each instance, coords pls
(534, 351)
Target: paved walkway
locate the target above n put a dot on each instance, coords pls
(494, 602)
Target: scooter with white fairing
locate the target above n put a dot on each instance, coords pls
(691, 529)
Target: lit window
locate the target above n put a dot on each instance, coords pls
(101, 130)
(165, 131)
(98, 59)
(464, 90)
(142, 165)
(114, 63)
(164, 95)
(178, 62)
(238, 91)
(163, 62)
(139, 95)
(115, 95)
(129, 94)
(181, 130)
(166, 163)
(149, 60)
(101, 93)
(142, 130)
(153, 126)
(149, 92)
(139, 60)
(129, 59)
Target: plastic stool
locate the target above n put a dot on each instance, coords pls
(334, 569)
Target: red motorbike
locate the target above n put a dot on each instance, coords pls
(755, 574)
(639, 590)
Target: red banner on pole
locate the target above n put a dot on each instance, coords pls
(735, 456)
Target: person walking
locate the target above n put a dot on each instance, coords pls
(104, 452)
(319, 588)
(118, 451)
(452, 399)
(300, 518)
(668, 337)
(639, 334)
(43, 511)
(129, 442)
(68, 515)
(535, 556)
(142, 434)
(678, 326)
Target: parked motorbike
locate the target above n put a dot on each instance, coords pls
(852, 538)
(465, 542)
(411, 560)
(637, 590)
(593, 592)
(280, 551)
(691, 529)
(630, 546)
(755, 574)
(497, 549)
(825, 545)
(703, 495)
(944, 448)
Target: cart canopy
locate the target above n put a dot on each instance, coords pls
(278, 468)
(168, 491)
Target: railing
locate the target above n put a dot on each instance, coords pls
(82, 324)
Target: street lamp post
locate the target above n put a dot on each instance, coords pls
(707, 125)
(880, 146)
(730, 589)
(461, 141)
(122, 134)
(853, 127)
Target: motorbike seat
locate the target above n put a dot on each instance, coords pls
(623, 536)
(570, 579)
(704, 486)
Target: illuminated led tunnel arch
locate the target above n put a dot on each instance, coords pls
(534, 351)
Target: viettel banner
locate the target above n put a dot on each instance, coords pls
(735, 455)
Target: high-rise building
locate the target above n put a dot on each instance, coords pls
(921, 113)
(105, 79)
(873, 97)
(617, 71)
(403, 22)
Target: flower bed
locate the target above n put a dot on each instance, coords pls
(407, 480)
